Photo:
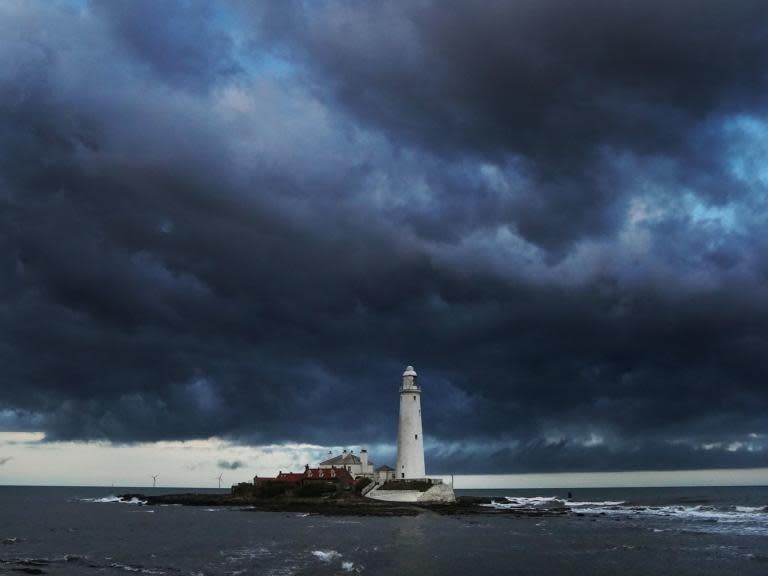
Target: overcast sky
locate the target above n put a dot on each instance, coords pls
(236, 225)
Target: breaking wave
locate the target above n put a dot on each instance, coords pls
(326, 555)
(138, 569)
(745, 519)
(39, 565)
(111, 499)
(332, 556)
(514, 502)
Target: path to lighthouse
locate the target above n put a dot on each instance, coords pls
(410, 439)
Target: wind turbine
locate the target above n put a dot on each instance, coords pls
(219, 479)
(154, 480)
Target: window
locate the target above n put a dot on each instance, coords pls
(402, 475)
(415, 436)
(414, 397)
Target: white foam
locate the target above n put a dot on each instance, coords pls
(325, 555)
(104, 500)
(515, 503)
(742, 519)
(747, 519)
(530, 501)
(572, 504)
(128, 568)
(691, 512)
(133, 500)
(752, 509)
(111, 499)
(543, 501)
(348, 566)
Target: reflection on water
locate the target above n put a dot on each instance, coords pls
(409, 548)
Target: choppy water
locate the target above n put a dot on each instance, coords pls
(731, 510)
(68, 531)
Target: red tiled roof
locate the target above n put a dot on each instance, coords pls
(341, 474)
(290, 477)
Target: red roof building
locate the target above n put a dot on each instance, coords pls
(341, 475)
(292, 477)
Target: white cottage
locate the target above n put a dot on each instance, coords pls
(358, 466)
(384, 474)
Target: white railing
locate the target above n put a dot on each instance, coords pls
(368, 488)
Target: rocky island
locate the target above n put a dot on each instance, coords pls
(348, 504)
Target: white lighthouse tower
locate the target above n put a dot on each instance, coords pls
(410, 441)
(410, 455)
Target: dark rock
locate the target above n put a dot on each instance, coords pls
(344, 504)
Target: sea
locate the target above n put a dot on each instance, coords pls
(621, 531)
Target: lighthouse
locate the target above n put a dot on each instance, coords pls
(392, 485)
(410, 441)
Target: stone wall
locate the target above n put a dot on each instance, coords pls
(438, 493)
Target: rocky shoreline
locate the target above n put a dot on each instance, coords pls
(346, 505)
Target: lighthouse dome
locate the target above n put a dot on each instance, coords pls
(409, 371)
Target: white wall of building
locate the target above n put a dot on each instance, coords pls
(384, 475)
(357, 465)
(438, 493)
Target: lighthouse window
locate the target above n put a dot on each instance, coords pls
(416, 436)
(414, 397)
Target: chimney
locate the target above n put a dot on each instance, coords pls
(364, 459)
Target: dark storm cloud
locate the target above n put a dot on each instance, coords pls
(182, 42)
(245, 222)
(553, 82)
(490, 75)
(233, 465)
